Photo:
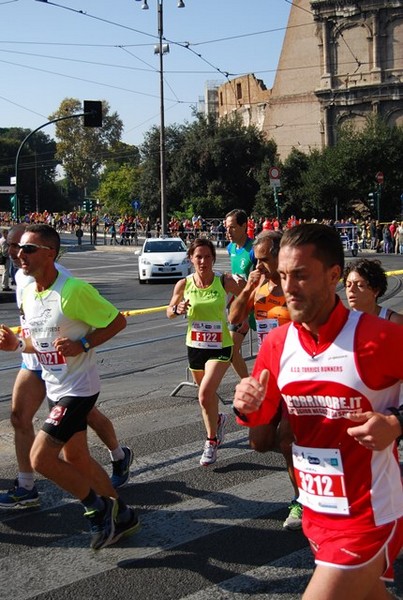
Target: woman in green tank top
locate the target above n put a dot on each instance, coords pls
(202, 298)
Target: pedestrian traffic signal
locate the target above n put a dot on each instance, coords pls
(13, 202)
(92, 113)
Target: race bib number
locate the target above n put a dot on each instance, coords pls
(49, 358)
(263, 327)
(320, 478)
(206, 334)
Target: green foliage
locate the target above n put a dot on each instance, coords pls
(118, 187)
(211, 167)
(83, 150)
(346, 172)
(121, 154)
(35, 171)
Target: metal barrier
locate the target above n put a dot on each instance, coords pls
(144, 311)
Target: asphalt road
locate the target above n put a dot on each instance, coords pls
(206, 532)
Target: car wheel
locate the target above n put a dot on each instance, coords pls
(141, 281)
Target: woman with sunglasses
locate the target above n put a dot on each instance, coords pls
(202, 297)
(365, 282)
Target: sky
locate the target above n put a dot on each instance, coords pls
(104, 50)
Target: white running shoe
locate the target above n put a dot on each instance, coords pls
(209, 455)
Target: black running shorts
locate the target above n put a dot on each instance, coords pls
(68, 416)
(198, 357)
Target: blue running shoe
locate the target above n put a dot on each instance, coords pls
(128, 528)
(121, 469)
(102, 523)
(19, 496)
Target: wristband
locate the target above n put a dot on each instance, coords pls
(240, 415)
(398, 413)
(174, 309)
(85, 344)
(21, 345)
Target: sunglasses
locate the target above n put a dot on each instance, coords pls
(32, 248)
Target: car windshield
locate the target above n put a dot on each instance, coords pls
(164, 246)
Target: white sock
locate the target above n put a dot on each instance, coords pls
(26, 480)
(117, 454)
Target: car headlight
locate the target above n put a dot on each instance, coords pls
(185, 261)
(145, 261)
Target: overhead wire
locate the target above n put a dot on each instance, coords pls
(189, 46)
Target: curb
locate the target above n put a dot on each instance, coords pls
(115, 248)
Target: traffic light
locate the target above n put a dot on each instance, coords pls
(92, 113)
(87, 205)
(13, 202)
(278, 196)
(372, 199)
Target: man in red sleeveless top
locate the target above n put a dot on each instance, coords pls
(328, 364)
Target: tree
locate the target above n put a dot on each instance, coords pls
(36, 170)
(346, 171)
(292, 171)
(150, 172)
(83, 150)
(121, 154)
(118, 188)
(212, 166)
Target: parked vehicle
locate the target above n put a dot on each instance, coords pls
(163, 258)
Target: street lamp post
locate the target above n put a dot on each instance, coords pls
(163, 174)
(162, 49)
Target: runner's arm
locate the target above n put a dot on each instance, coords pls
(177, 305)
(95, 338)
(9, 342)
(242, 305)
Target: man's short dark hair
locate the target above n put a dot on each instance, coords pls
(239, 214)
(327, 242)
(48, 235)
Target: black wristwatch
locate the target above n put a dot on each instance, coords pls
(240, 415)
(85, 344)
(398, 413)
(175, 309)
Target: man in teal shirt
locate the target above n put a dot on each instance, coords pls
(243, 261)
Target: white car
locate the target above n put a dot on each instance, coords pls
(163, 258)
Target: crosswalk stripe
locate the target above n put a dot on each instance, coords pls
(163, 529)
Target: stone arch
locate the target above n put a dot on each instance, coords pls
(357, 119)
(393, 54)
(352, 40)
(394, 117)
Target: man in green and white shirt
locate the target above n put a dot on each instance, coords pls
(66, 319)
